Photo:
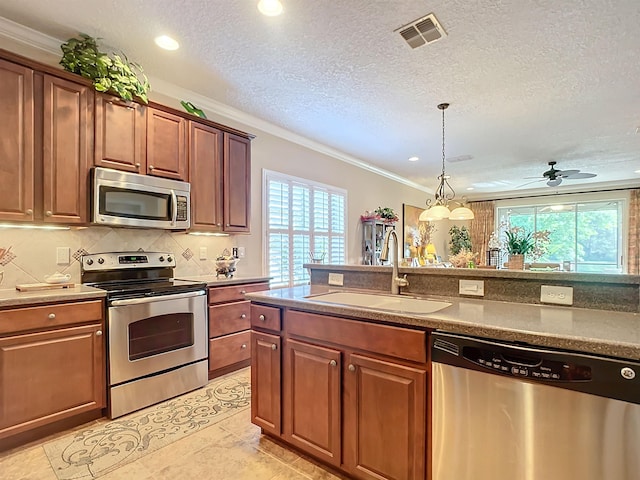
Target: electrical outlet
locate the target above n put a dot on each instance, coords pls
(63, 255)
(557, 295)
(240, 252)
(471, 287)
(336, 279)
(203, 253)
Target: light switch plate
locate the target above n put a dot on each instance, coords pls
(63, 255)
(557, 295)
(471, 287)
(203, 253)
(336, 279)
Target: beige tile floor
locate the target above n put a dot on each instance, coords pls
(232, 449)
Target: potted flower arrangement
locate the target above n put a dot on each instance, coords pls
(519, 242)
(386, 214)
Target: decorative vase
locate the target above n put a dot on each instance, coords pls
(516, 262)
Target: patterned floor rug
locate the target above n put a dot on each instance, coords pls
(93, 452)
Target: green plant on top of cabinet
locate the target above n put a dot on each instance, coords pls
(47, 140)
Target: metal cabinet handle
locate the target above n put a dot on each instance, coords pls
(218, 224)
(333, 363)
(52, 316)
(352, 367)
(242, 292)
(138, 166)
(99, 333)
(48, 213)
(262, 318)
(244, 345)
(151, 167)
(274, 346)
(29, 211)
(243, 316)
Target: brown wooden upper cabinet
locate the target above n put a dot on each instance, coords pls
(166, 145)
(121, 134)
(47, 138)
(237, 184)
(220, 176)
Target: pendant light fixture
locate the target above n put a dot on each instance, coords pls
(438, 209)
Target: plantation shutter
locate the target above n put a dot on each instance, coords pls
(302, 217)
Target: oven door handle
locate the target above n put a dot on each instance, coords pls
(157, 298)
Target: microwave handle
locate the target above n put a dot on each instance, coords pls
(174, 207)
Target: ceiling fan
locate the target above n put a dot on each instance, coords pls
(554, 176)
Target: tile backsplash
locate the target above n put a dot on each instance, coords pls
(28, 256)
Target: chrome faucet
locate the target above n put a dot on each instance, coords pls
(396, 281)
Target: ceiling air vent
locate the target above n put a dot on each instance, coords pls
(422, 31)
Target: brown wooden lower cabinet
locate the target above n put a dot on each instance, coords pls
(361, 411)
(266, 381)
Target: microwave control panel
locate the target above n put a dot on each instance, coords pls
(181, 213)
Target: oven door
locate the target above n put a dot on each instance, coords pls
(152, 334)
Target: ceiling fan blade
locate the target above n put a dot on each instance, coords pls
(555, 182)
(529, 183)
(579, 175)
(566, 173)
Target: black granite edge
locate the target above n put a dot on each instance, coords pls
(488, 273)
(426, 322)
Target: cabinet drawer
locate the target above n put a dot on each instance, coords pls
(265, 317)
(49, 316)
(230, 349)
(381, 339)
(234, 292)
(228, 318)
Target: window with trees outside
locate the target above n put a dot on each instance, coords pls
(303, 219)
(589, 234)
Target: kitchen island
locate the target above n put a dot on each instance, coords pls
(351, 385)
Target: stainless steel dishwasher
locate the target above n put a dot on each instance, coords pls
(512, 412)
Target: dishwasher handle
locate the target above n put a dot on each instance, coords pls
(521, 360)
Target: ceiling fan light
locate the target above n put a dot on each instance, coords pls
(461, 213)
(437, 212)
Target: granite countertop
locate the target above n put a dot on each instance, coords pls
(12, 297)
(601, 332)
(213, 280)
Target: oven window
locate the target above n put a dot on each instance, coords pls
(159, 334)
(120, 202)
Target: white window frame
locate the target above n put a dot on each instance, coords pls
(621, 196)
(278, 176)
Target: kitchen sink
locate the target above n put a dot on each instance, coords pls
(391, 303)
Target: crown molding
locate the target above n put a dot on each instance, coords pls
(40, 41)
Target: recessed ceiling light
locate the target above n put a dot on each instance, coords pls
(270, 8)
(470, 188)
(414, 159)
(166, 42)
(637, 171)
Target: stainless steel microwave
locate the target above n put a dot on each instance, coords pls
(123, 199)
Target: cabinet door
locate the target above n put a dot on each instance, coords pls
(49, 376)
(67, 149)
(205, 176)
(265, 382)
(237, 183)
(17, 133)
(166, 145)
(120, 134)
(384, 419)
(312, 399)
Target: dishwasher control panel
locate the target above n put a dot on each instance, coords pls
(527, 366)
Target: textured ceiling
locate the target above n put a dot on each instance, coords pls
(528, 81)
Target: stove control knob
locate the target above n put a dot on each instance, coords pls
(100, 260)
(89, 261)
(161, 258)
(169, 259)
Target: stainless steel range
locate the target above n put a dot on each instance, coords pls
(156, 328)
